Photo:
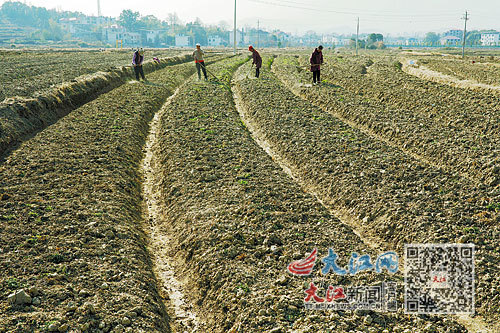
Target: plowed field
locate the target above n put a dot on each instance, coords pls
(177, 205)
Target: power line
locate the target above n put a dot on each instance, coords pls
(465, 18)
(99, 8)
(296, 5)
(234, 29)
(357, 37)
(359, 11)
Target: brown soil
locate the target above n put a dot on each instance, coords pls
(149, 211)
(452, 128)
(387, 194)
(71, 223)
(21, 117)
(235, 221)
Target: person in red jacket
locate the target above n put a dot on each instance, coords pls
(316, 61)
(257, 60)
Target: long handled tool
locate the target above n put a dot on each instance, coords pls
(249, 71)
(209, 72)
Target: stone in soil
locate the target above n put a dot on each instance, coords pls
(19, 297)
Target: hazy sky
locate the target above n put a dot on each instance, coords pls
(297, 16)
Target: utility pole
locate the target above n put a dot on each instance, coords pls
(465, 18)
(234, 30)
(357, 37)
(258, 33)
(98, 8)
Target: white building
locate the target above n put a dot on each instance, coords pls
(490, 38)
(239, 37)
(411, 41)
(68, 24)
(182, 41)
(132, 38)
(94, 20)
(152, 36)
(450, 40)
(283, 35)
(113, 33)
(214, 41)
(342, 41)
(455, 33)
(328, 40)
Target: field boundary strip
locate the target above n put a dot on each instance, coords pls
(177, 305)
(363, 127)
(426, 73)
(259, 136)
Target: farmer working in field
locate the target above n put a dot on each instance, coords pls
(316, 60)
(200, 62)
(137, 61)
(257, 60)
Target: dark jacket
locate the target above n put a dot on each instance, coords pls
(257, 60)
(137, 59)
(316, 60)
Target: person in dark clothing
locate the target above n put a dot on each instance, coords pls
(316, 61)
(137, 61)
(257, 60)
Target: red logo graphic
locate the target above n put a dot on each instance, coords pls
(304, 266)
(311, 293)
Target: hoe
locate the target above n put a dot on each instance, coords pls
(209, 72)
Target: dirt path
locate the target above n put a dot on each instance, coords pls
(183, 317)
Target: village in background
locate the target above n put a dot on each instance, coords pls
(22, 25)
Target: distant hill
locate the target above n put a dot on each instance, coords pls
(31, 16)
(23, 24)
(11, 33)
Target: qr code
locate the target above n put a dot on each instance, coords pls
(439, 278)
